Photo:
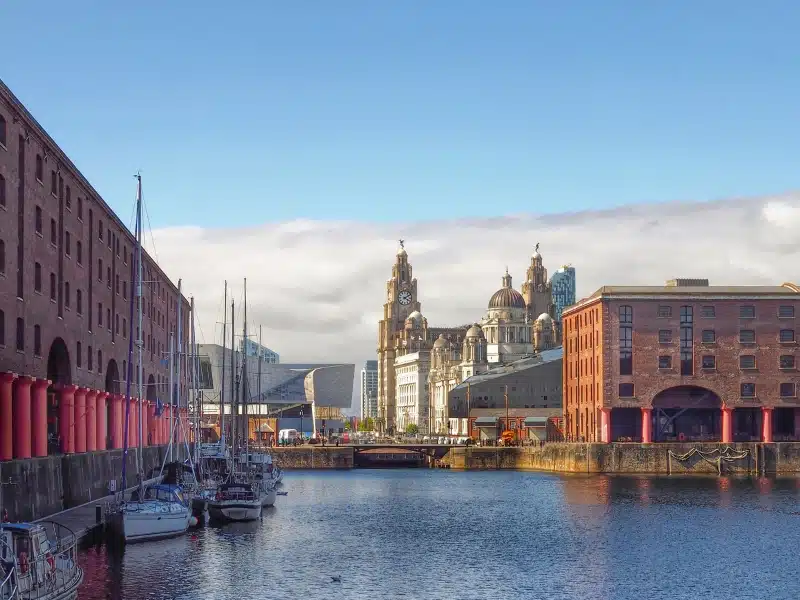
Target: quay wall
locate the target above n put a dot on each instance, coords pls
(654, 459)
(313, 457)
(38, 487)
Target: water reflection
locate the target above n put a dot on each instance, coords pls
(447, 535)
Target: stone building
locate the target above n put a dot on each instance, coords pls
(66, 267)
(515, 326)
(685, 361)
(411, 374)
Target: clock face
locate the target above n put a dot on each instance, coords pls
(404, 297)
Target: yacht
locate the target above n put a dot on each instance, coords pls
(236, 502)
(38, 561)
(161, 511)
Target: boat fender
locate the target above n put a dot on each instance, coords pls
(23, 562)
(51, 561)
(681, 437)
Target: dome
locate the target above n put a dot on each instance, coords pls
(544, 318)
(475, 331)
(507, 297)
(402, 252)
(441, 342)
(536, 255)
(415, 318)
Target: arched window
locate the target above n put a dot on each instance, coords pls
(89, 357)
(79, 301)
(2, 191)
(37, 277)
(78, 357)
(37, 340)
(66, 294)
(39, 168)
(99, 361)
(2, 256)
(53, 287)
(626, 340)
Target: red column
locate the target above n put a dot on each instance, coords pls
(80, 420)
(91, 420)
(152, 425)
(605, 425)
(766, 424)
(116, 421)
(66, 418)
(647, 422)
(133, 424)
(7, 415)
(727, 425)
(22, 417)
(101, 413)
(39, 416)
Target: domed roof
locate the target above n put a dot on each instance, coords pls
(402, 252)
(545, 318)
(415, 316)
(441, 342)
(475, 331)
(507, 296)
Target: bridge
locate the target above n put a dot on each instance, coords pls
(399, 454)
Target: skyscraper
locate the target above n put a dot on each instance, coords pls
(562, 284)
(369, 390)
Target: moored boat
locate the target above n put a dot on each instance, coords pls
(236, 502)
(161, 512)
(38, 561)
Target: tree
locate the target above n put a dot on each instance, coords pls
(366, 425)
(412, 428)
(347, 425)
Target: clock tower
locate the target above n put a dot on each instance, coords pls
(401, 300)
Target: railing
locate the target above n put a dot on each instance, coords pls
(235, 496)
(8, 586)
(57, 567)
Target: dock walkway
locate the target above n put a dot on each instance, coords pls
(83, 520)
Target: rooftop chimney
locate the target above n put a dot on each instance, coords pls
(687, 283)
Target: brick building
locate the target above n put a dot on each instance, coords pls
(66, 265)
(686, 361)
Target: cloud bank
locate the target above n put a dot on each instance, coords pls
(316, 288)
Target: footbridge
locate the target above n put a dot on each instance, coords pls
(398, 455)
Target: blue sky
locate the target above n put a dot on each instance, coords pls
(248, 112)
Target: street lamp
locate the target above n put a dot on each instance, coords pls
(301, 423)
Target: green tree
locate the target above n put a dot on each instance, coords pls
(347, 425)
(412, 428)
(366, 424)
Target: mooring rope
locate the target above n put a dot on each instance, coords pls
(727, 455)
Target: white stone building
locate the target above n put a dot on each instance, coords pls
(411, 391)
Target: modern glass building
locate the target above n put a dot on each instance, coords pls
(252, 348)
(369, 390)
(562, 284)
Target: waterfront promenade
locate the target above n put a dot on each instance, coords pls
(746, 458)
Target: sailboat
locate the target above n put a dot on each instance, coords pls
(159, 510)
(249, 488)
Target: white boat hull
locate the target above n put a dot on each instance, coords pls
(235, 510)
(268, 497)
(145, 521)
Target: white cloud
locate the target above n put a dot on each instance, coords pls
(317, 288)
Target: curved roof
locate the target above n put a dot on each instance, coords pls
(475, 331)
(507, 297)
(441, 342)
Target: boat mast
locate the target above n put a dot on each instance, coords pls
(195, 418)
(234, 407)
(178, 369)
(171, 391)
(140, 340)
(222, 387)
(245, 391)
(129, 370)
(258, 387)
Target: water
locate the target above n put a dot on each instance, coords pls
(445, 535)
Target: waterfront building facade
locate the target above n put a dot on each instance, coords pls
(515, 325)
(411, 377)
(369, 390)
(253, 348)
(530, 383)
(682, 362)
(66, 272)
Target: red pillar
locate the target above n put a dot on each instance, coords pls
(101, 413)
(7, 415)
(116, 420)
(39, 416)
(80, 420)
(727, 425)
(66, 418)
(22, 417)
(133, 427)
(91, 420)
(152, 423)
(766, 424)
(605, 425)
(647, 422)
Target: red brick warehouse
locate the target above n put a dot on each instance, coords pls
(682, 362)
(66, 264)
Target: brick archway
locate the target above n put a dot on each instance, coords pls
(687, 413)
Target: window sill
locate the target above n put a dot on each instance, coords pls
(3, 146)
(792, 343)
(670, 343)
(52, 300)
(788, 397)
(784, 318)
(749, 370)
(788, 369)
(40, 182)
(39, 233)
(748, 344)
(708, 344)
(747, 318)
(20, 352)
(666, 370)
(748, 398)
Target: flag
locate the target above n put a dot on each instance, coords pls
(159, 407)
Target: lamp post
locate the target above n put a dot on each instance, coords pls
(301, 425)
